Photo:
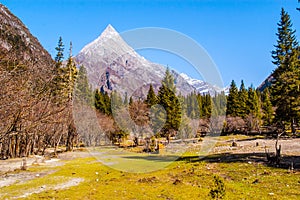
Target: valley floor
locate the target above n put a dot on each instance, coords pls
(113, 173)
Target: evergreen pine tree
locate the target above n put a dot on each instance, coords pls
(253, 103)
(217, 104)
(99, 102)
(65, 76)
(107, 102)
(168, 81)
(219, 101)
(102, 102)
(70, 72)
(200, 102)
(168, 99)
(254, 110)
(242, 100)
(285, 87)
(206, 106)
(158, 117)
(116, 101)
(59, 76)
(83, 92)
(186, 106)
(60, 53)
(268, 113)
(286, 93)
(191, 106)
(65, 83)
(286, 42)
(232, 101)
(195, 111)
(151, 97)
(130, 101)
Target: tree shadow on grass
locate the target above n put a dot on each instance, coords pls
(157, 158)
(285, 163)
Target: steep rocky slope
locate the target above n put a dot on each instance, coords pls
(18, 44)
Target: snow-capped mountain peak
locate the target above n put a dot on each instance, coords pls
(190, 80)
(199, 85)
(109, 37)
(109, 32)
(113, 65)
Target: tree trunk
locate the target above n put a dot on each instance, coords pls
(70, 136)
(278, 150)
(17, 146)
(293, 126)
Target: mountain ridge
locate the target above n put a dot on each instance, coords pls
(18, 43)
(113, 65)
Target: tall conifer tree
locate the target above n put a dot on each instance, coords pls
(70, 72)
(83, 92)
(151, 97)
(285, 87)
(168, 99)
(268, 113)
(232, 100)
(242, 100)
(59, 76)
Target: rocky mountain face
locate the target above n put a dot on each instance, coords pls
(266, 83)
(113, 65)
(18, 44)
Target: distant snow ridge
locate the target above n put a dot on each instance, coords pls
(201, 86)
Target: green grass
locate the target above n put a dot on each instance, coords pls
(122, 160)
(182, 179)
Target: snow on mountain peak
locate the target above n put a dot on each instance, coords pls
(109, 32)
(128, 71)
(200, 86)
(185, 76)
(190, 80)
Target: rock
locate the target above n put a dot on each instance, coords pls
(177, 181)
(148, 179)
(234, 144)
(256, 181)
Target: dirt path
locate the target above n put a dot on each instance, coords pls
(14, 164)
(65, 185)
(10, 169)
(288, 146)
(11, 174)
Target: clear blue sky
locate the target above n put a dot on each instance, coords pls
(238, 34)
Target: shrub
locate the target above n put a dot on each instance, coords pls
(218, 192)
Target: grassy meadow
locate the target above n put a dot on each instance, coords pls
(119, 174)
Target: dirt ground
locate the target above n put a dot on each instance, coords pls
(249, 150)
(288, 146)
(14, 164)
(10, 172)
